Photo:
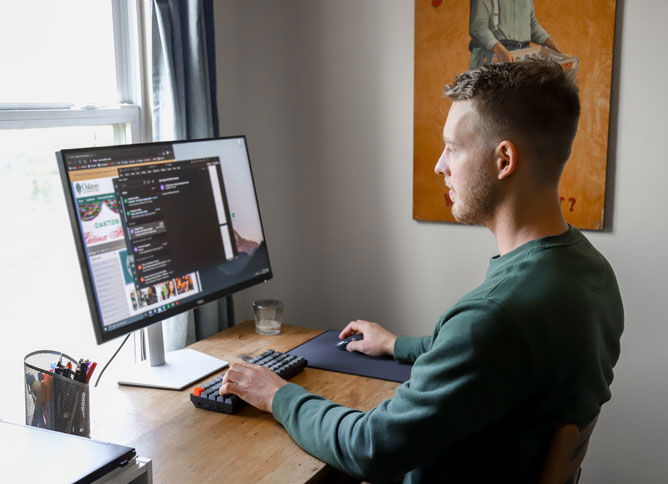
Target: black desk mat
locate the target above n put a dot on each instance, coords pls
(321, 352)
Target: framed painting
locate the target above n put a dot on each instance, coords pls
(452, 36)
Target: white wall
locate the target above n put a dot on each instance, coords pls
(324, 89)
(260, 95)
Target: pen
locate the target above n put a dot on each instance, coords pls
(84, 371)
(89, 373)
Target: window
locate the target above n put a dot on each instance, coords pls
(72, 77)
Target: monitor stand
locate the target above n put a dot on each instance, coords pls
(174, 370)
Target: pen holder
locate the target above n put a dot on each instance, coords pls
(54, 401)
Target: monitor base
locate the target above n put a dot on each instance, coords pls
(181, 368)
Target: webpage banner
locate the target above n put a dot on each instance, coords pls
(98, 211)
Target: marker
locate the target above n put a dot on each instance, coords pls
(80, 374)
(89, 373)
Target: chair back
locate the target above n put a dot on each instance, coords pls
(566, 453)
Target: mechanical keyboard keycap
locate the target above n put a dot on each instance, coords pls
(206, 395)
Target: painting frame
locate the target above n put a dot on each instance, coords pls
(443, 49)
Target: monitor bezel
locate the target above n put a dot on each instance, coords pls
(84, 263)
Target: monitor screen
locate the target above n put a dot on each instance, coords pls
(161, 228)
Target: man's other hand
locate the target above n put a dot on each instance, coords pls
(377, 340)
(503, 54)
(552, 44)
(255, 384)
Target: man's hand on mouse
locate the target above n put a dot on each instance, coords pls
(255, 384)
(377, 340)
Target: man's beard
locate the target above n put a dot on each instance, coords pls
(475, 204)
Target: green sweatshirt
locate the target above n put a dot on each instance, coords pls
(530, 349)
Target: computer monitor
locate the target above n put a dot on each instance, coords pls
(162, 228)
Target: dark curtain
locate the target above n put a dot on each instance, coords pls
(185, 107)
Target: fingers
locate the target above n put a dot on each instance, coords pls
(377, 340)
(229, 387)
(228, 383)
(355, 346)
(357, 326)
(255, 384)
(234, 372)
(348, 330)
(235, 375)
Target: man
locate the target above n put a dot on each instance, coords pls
(498, 27)
(532, 348)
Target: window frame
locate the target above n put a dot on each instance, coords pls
(119, 117)
(132, 90)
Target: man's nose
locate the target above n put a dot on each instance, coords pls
(441, 167)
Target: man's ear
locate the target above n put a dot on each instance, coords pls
(506, 158)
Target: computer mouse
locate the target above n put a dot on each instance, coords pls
(343, 344)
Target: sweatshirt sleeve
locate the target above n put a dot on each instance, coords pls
(407, 349)
(481, 12)
(538, 33)
(477, 368)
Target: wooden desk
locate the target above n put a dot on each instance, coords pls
(188, 444)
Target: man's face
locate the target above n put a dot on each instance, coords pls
(467, 163)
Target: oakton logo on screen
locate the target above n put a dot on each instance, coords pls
(86, 187)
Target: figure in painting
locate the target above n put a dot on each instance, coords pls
(498, 27)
